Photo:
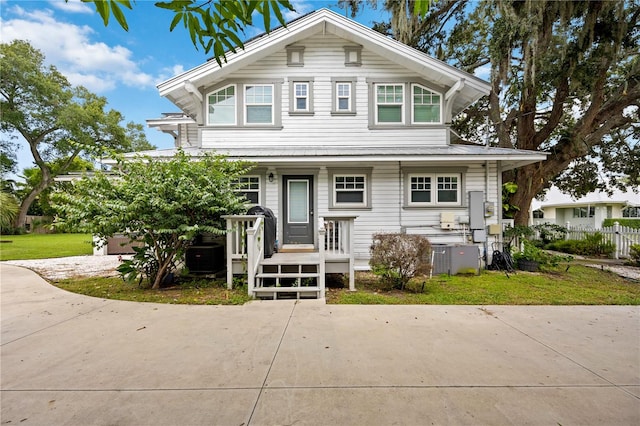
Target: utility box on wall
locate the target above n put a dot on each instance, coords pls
(476, 210)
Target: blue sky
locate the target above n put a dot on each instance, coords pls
(122, 66)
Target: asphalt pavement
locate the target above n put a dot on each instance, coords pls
(68, 359)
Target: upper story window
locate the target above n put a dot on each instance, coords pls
(426, 105)
(301, 96)
(222, 106)
(389, 103)
(249, 188)
(258, 101)
(400, 103)
(344, 96)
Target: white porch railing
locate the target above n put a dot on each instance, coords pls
(238, 242)
(622, 237)
(338, 245)
(245, 248)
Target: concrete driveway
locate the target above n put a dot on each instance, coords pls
(74, 360)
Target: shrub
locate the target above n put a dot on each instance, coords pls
(634, 254)
(630, 222)
(534, 254)
(396, 258)
(550, 232)
(592, 245)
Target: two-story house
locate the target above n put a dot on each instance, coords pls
(350, 134)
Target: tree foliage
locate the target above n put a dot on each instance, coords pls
(8, 211)
(214, 25)
(164, 203)
(58, 122)
(565, 79)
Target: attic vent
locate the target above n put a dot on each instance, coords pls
(295, 56)
(352, 56)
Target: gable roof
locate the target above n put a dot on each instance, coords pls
(182, 89)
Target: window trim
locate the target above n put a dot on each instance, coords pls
(413, 105)
(259, 191)
(241, 84)
(407, 114)
(246, 104)
(434, 173)
(364, 172)
(376, 110)
(351, 81)
(292, 96)
(208, 105)
(590, 212)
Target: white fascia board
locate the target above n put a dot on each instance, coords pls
(326, 20)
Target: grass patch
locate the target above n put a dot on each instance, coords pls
(43, 246)
(578, 286)
(197, 292)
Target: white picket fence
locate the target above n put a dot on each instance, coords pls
(623, 237)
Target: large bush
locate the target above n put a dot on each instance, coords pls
(397, 258)
(163, 202)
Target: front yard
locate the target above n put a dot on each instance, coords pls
(579, 285)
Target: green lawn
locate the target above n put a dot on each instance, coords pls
(577, 286)
(42, 246)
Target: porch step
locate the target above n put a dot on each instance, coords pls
(297, 248)
(287, 275)
(275, 291)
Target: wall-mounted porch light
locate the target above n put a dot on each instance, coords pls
(270, 177)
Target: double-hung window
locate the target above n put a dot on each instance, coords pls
(249, 188)
(389, 99)
(428, 189)
(258, 101)
(343, 96)
(343, 100)
(222, 107)
(301, 94)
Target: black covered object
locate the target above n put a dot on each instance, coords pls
(270, 226)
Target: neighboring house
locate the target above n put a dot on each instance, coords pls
(588, 211)
(347, 127)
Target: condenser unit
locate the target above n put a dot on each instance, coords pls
(452, 260)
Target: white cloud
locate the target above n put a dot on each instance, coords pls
(95, 65)
(301, 7)
(71, 6)
(483, 72)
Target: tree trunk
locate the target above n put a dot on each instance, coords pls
(530, 180)
(21, 218)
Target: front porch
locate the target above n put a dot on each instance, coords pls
(291, 272)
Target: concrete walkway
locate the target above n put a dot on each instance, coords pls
(74, 360)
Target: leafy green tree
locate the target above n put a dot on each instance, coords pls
(214, 25)
(33, 175)
(165, 203)
(58, 122)
(565, 80)
(8, 211)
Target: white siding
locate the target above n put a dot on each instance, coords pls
(323, 60)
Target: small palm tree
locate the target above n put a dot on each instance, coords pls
(8, 210)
